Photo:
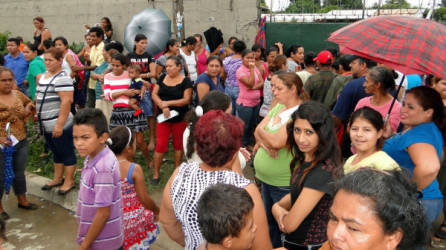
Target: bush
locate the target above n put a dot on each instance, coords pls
(76, 47)
(3, 39)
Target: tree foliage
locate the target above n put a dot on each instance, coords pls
(314, 6)
(396, 4)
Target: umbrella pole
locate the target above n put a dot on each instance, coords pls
(394, 98)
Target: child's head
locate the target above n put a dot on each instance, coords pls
(366, 129)
(119, 62)
(225, 216)
(90, 131)
(134, 71)
(123, 141)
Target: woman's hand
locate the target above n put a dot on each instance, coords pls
(57, 130)
(166, 112)
(279, 214)
(387, 132)
(271, 152)
(245, 154)
(29, 109)
(131, 92)
(5, 141)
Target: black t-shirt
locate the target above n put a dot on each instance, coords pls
(313, 230)
(143, 61)
(169, 93)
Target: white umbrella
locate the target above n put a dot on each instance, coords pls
(154, 24)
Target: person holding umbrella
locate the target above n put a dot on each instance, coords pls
(14, 108)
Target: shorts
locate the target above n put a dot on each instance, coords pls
(163, 132)
(146, 104)
(62, 147)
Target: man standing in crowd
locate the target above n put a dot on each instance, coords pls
(96, 58)
(17, 63)
(350, 95)
(318, 84)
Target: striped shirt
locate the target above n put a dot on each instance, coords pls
(51, 103)
(112, 84)
(100, 187)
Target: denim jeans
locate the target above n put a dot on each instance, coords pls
(233, 92)
(271, 195)
(432, 209)
(19, 160)
(249, 117)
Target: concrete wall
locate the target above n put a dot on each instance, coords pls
(67, 17)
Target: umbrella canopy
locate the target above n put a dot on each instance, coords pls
(154, 24)
(214, 37)
(408, 44)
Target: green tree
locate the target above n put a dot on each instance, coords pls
(345, 4)
(396, 4)
(304, 6)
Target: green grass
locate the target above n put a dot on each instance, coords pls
(44, 166)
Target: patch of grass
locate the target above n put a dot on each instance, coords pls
(43, 166)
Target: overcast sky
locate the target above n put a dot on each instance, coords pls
(283, 4)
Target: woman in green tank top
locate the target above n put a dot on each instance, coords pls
(272, 160)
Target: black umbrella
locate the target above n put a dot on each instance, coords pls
(214, 38)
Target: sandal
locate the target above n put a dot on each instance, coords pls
(47, 187)
(155, 181)
(436, 243)
(440, 233)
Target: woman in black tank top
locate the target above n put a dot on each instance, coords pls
(40, 34)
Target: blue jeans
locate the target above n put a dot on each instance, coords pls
(271, 195)
(232, 92)
(432, 209)
(249, 117)
(24, 88)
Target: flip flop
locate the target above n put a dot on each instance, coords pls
(64, 192)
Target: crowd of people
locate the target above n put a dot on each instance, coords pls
(342, 159)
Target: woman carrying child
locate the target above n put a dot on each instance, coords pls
(140, 211)
(139, 56)
(116, 85)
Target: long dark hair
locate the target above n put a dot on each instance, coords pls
(429, 98)
(214, 100)
(327, 150)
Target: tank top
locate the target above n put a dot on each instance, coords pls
(187, 187)
(191, 64)
(37, 41)
(65, 66)
(201, 62)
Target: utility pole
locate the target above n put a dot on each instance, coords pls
(379, 6)
(363, 9)
(178, 18)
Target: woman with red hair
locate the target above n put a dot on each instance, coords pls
(218, 137)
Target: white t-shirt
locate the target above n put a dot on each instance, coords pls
(191, 65)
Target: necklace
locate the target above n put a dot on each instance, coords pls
(122, 160)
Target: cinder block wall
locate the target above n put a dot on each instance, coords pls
(67, 17)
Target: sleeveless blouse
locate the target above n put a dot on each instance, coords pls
(187, 187)
(201, 62)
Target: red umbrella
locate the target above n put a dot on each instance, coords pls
(408, 44)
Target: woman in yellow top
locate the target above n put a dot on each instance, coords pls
(366, 130)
